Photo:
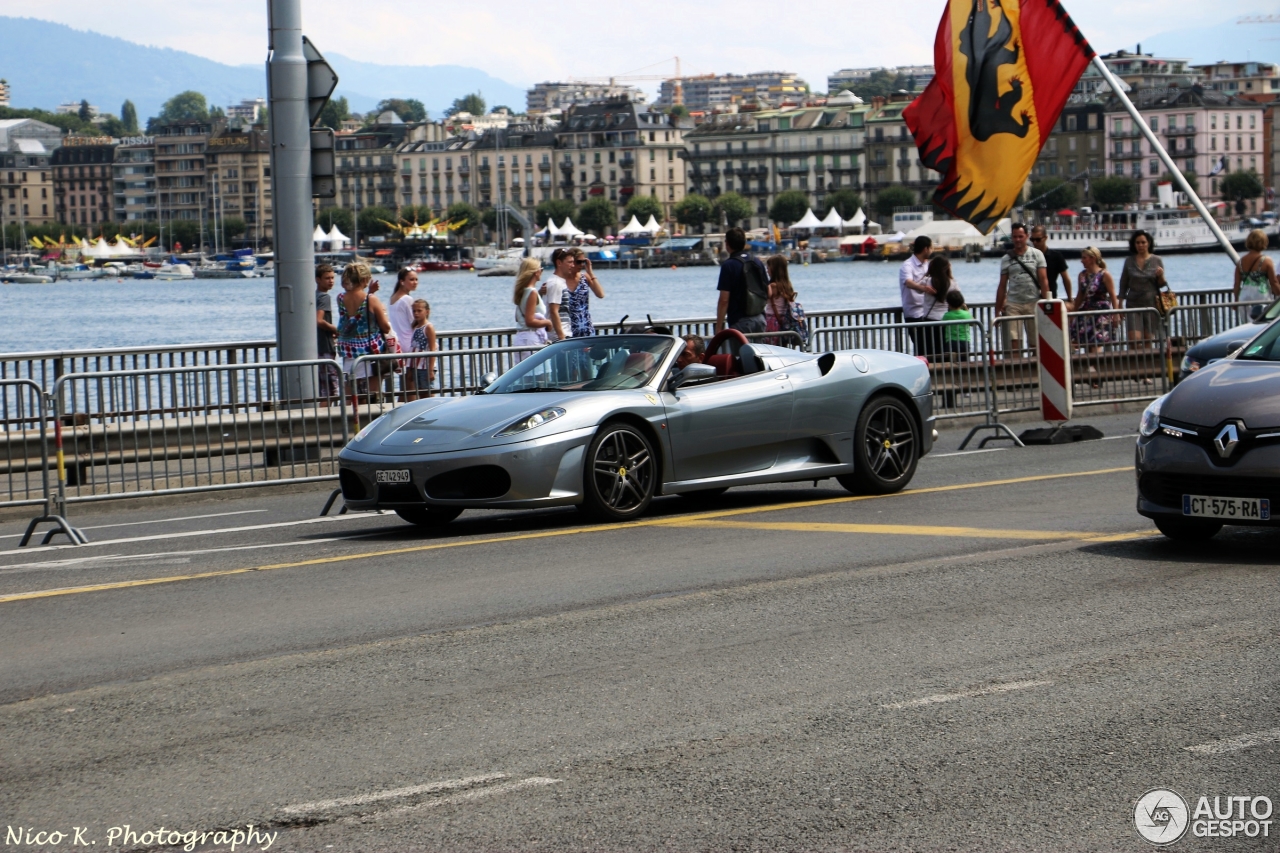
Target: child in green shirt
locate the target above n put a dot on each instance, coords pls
(956, 337)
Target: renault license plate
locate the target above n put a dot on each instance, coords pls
(392, 475)
(1243, 509)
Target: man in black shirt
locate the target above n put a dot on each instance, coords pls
(735, 305)
(1055, 263)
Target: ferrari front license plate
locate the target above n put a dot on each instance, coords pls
(393, 475)
(1245, 509)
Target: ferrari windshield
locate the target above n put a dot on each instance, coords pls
(1265, 347)
(600, 363)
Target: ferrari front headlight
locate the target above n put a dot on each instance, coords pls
(537, 419)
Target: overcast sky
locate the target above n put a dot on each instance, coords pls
(524, 42)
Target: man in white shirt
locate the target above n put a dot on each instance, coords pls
(913, 284)
(566, 266)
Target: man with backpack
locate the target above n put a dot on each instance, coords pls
(743, 286)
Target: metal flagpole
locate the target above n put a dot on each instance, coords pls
(1140, 122)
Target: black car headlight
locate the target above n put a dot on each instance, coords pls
(528, 422)
(1151, 418)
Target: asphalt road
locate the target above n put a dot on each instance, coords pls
(1003, 657)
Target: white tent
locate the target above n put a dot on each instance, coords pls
(633, 227)
(652, 225)
(832, 220)
(569, 229)
(808, 221)
(118, 249)
(100, 249)
(336, 238)
(859, 219)
(947, 232)
(318, 235)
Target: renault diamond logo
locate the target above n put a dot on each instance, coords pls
(1226, 441)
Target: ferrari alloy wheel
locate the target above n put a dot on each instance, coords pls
(429, 516)
(1188, 529)
(621, 473)
(886, 447)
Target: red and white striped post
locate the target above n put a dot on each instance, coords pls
(1053, 345)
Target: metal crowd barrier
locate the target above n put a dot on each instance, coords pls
(26, 428)
(138, 433)
(1110, 364)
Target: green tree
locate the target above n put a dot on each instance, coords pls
(409, 109)
(789, 206)
(693, 210)
(373, 221)
(679, 111)
(419, 213)
(1053, 194)
(112, 126)
(129, 117)
(846, 202)
(183, 107)
(184, 231)
(558, 209)
(893, 197)
(68, 122)
(644, 206)
(328, 216)
(216, 112)
(334, 113)
(1240, 186)
(1191, 179)
(85, 112)
(461, 213)
(472, 103)
(599, 215)
(232, 228)
(1114, 191)
(735, 208)
(882, 84)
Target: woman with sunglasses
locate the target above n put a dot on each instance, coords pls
(577, 299)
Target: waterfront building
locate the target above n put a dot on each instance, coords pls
(548, 96)
(1198, 128)
(512, 165)
(424, 179)
(134, 180)
(73, 108)
(1076, 148)
(249, 111)
(366, 163)
(616, 149)
(716, 91)
(239, 176)
(1251, 80)
(853, 79)
(892, 157)
(180, 164)
(26, 184)
(4, 92)
(759, 154)
(83, 182)
(1138, 70)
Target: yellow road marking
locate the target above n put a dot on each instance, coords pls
(889, 529)
(598, 528)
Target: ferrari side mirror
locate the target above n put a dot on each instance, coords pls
(692, 373)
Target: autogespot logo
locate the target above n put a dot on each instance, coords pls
(1161, 816)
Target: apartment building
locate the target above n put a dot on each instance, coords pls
(4, 92)
(366, 163)
(248, 112)
(1139, 71)
(239, 180)
(180, 163)
(1076, 148)
(1250, 80)
(717, 91)
(759, 154)
(1200, 129)
(134, 180)
(616, 149)
(513, 166)
(26, 183)
(917, 77)
(547, 97)
(892, 158)
(83, 181)
(421, 157)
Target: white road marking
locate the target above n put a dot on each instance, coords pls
(1231, 744)
(394, 794)
(153, 521)
(938, 698)
(464, 797)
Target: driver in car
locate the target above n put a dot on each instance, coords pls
(694, 348)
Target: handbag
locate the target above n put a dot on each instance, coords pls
(1166, 299)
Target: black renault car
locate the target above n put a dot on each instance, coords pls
(1209, 451)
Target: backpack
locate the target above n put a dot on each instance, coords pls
(757, 285)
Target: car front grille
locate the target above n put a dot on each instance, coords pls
(1168, 489)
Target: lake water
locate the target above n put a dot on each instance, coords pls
(111, 313)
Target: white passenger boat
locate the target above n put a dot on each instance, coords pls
(1175, 229)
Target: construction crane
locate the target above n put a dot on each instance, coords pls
(677, 95)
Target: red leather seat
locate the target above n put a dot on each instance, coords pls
(726, 364)
(722, 363)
